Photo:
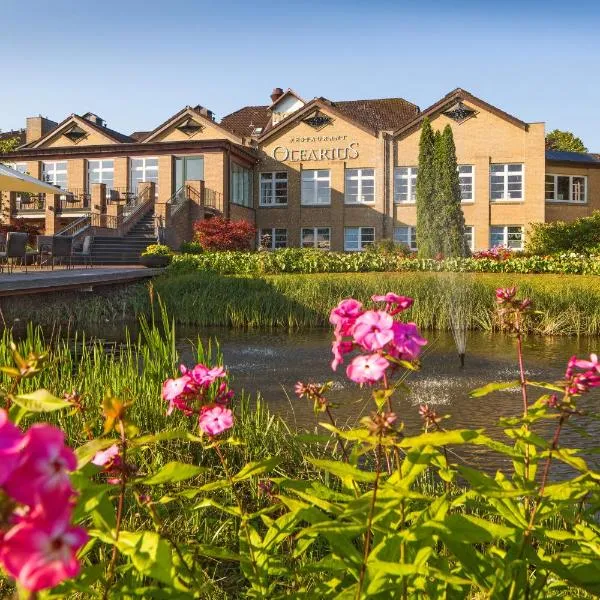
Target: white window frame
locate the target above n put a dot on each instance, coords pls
(101, 170)
(50, 171)
(409, 240)
(411, 189)
(470, 175)
(315, 241)
(146, 171)
(471, 229)
(271, 178)
(505, 173)
(362, 244)
(357, 175)
(314, 180)
(505, 229)
(570, 199)
(272, 232)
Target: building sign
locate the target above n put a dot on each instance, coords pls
(284, 154)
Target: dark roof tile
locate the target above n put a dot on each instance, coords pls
(578, 157)
(245, 120)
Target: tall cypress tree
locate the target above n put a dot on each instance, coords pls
(426, 192)
(450, 218)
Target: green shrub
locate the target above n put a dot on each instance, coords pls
(191, 248)
(581, 235)
(157, 250)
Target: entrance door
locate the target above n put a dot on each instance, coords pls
(188, 168)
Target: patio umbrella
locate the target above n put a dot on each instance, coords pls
(14, 181)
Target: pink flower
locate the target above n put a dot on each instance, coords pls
(407, 341)
(43, 471)
(391, 299)
(11, 441)
(505, 294)
(367, 368)
(344, 315)
(587, 364)
(40, 553)
(339, 349)
(215, 419)
(107, 457)
(224, 394)
(174, 390)
(373, 329)
(202, 375)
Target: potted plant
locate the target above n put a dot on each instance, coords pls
(156, 255)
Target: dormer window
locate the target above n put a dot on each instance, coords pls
(257, 131)
(75, 134)
(459, 112)
(190, 127)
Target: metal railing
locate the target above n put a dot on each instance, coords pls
(30, 202)
(118, 194)
(104, 221)
(136, 204)
(76, 227)
(75, 200)
(179, 198)
(213, 199)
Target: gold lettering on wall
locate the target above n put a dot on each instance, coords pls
(284, 154)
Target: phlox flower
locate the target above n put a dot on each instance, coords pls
(407, 342)
(202, 375)
(505, 294)
(367, 368)
(344, 315)
(215, 419)
(400, 303)
(44, 466)
(593, 363)
(339, 349)
(11, 440)
(174, 391)
(40, 552)
(373, 330)
(108, 457)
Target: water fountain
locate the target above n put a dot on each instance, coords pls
(458, 298)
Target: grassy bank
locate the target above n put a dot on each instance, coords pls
(566, 304)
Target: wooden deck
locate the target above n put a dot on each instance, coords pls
(36, 281)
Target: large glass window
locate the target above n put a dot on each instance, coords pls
(406, 236)
(55, 173)
(273, 189)
(272, 238)
(241, 185)
(405, 184)
(358, 238)
(470, 237)
(142, 169)
(510, 236)
(566, 188)
(316, 186)
(466, 176)
(506, 182)
(101, 171)
(360, 186)
(316, 237)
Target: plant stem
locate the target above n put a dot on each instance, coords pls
(523, 382)
(339, 439)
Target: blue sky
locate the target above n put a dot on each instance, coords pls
(136, 62)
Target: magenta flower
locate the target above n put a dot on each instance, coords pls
(40, 553)
(581, 363)
(11, 441)
(339, 349)
(43, 471)
(401, 303)
(367, 368)
(407, 341)
(215, 419)
(344, 315)
(174, 392)
(107, 457)
(505, 294)
(373, 329)
(202, 375)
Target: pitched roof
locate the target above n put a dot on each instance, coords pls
(376, 114)
(138, 136)
(576, 157)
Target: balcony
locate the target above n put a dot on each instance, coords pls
(74, 202)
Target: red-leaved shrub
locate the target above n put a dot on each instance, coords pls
(219, 233)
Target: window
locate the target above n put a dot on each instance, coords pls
(316, 187)
(272, 238)
(273, 189)
(21, 167)
(510, 236)
(241, 185)
(566, 188)
(316, 237)
(360, 186)
(142, 169)
(470, 237)
(357, 238)
(101, 171)
(405, 184)
(506, 182)
(466, 176)
(407, 236)
(55, 173)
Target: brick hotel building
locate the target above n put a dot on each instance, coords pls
(316, 173)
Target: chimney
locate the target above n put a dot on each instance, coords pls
(205, 112)
(95, 119)
(37, 127)
(276, 94)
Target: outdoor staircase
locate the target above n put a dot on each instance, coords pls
(107, 250)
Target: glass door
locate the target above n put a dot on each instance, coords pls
(188, 168)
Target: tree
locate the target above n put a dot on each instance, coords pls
(9, 144)
(219, 233)
(564, 141)
(425, 192)
(450, 221)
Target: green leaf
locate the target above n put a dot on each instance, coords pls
(173, 472)
(147, 440)
(41, 401)
(252, 469)
(493, 387)
(216, 552)
(440, 438)
(86, 452)
(343, 470)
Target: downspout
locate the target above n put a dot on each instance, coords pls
(227, 183)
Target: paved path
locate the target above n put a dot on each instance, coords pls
(36, 281)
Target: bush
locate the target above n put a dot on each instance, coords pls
(219, 233)
(157, 250)
(191, 248)
(581, 235)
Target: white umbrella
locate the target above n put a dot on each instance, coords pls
(14, 181)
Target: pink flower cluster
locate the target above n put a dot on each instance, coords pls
(495, 253)
(190, 394)
(376, 334)
(582, 375)
(38, 543)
